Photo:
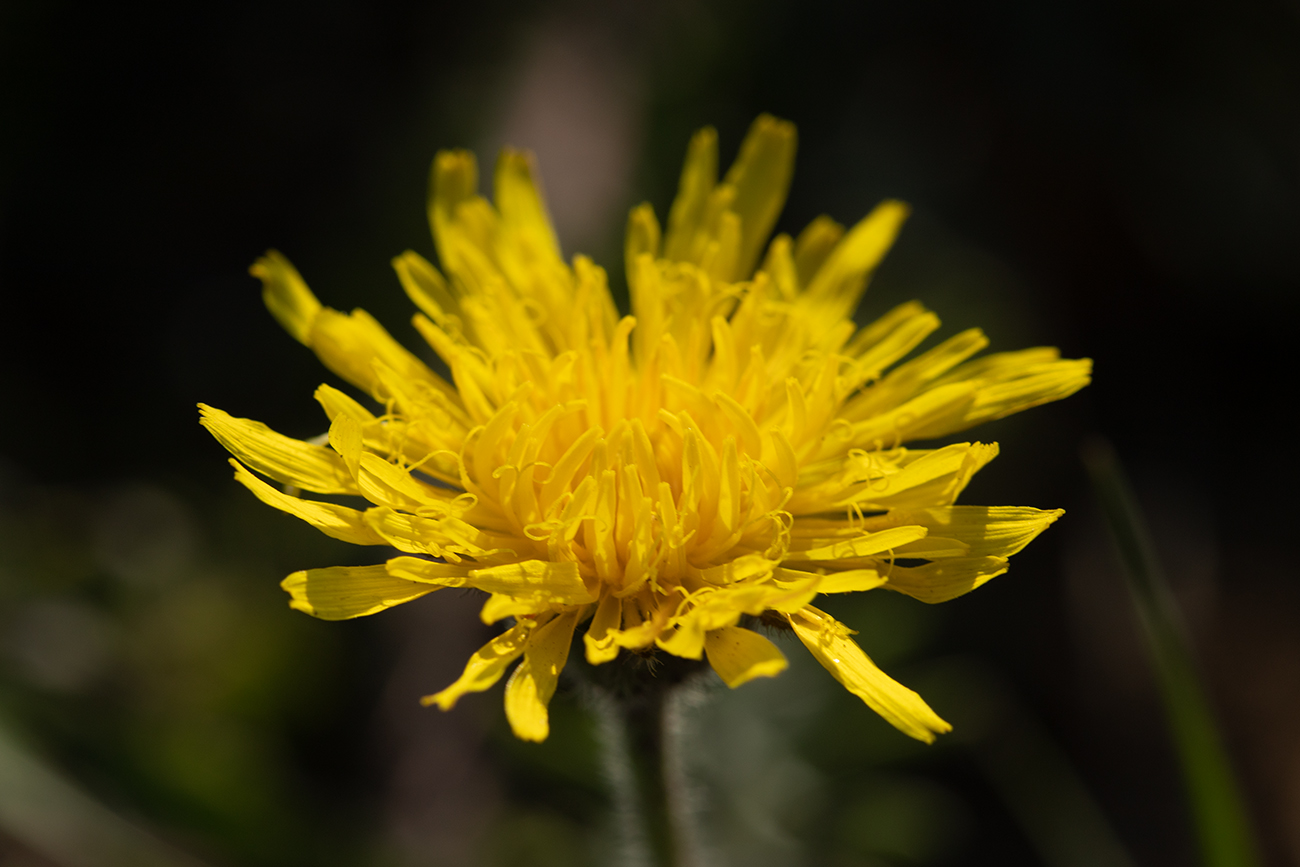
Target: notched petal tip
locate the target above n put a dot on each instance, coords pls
(455, 175)
(286, 295)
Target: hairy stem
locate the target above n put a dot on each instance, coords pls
(681, 793)
(632, 841)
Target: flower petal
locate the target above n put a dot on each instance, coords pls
(835, 289)
(286, 295)
(699, 176)
(519, 201)
(829, 641)
(815, 243)
(287, 460)
(601, 638)
(860, 545)
(945, 579)
(761, 178)
(724, 606)
(847, 581)
(344, 592)
(533, 683)
(485, 667)
(1014, 384)
(895, 479)
(339, 522)
(448, 536)
(558, 583)
(740, 655)
(987, 531)
(350, 344)
(499, 606)
(885, 341)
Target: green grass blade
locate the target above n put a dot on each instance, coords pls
(1218, 811)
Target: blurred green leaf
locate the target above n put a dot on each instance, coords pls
(1217, 808)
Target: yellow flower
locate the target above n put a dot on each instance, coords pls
(733, 448)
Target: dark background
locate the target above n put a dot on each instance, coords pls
(1121, 180)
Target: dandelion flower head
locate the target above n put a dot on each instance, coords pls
(730, 450)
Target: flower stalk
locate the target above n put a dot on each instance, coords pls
(641, 705)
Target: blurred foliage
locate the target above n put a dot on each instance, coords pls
(152, 655)
(1222, 824)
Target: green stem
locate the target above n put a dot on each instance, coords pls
(1217, 808)
(681, 794)
(632, 844)
(642, 710)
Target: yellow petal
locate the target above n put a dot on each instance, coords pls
(499, 606)
(427, 289)
(352, 344)
(390, 485)
(335, 402)
(346, 439)
(344, 592)
(987, 531)
(862, 545)
(642, 237)
(931, 548)
(945, 579)
(287, 460)
(428, 571)
(453, 181)
(558, 583)
(286, 295)
(446, 536)
(813, 245)
(885, 341)
(485, 667)
(533, 683)
(847, 581)
(699, 175)
(761, 177)
(724, 607)
(601, 634)
(339, 522)
(1009, 389)
(830, 643)
(720, 257)
(519, 200)
(894, 479)
(840, 281)
(739, 655)
(935, 409)
(908, 380)
(780, 266)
